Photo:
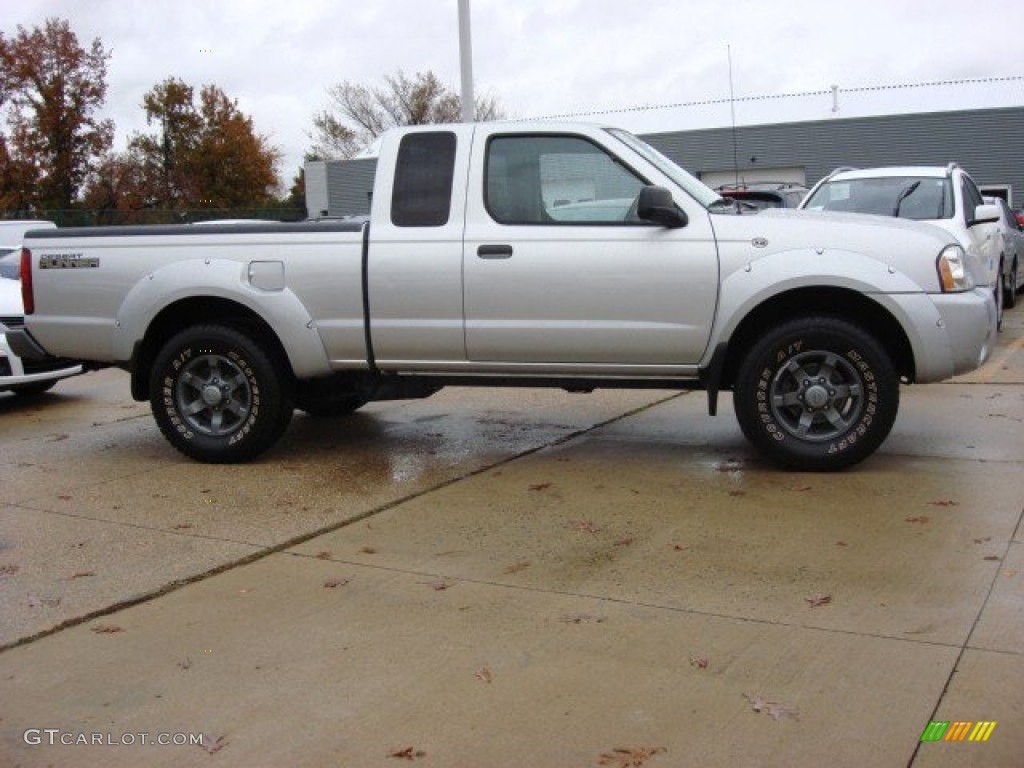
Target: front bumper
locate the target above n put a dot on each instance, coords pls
(969, 321)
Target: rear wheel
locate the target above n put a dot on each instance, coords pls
(218, 396)
(1000, 298)
(817, 393)
(1010, 288)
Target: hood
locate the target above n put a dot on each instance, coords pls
(908, 246)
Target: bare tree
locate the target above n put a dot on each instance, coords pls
(357, 114)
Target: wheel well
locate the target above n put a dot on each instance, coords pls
(835, 302)
(196, 311)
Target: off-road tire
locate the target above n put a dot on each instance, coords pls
(218, 395)
(816, 393)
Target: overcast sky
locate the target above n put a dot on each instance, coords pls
(557, 57)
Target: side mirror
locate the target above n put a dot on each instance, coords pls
(656, 204)
(984, 214)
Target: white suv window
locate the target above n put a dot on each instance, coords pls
(909, 197)
(972, 199)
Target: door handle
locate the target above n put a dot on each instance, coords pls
(494, 251)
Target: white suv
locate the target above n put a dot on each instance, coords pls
(945, 196)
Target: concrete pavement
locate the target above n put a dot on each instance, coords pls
(492, 578)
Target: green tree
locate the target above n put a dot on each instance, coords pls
(357, 114)
(51, 89)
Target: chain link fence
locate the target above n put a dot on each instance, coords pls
(106, 218)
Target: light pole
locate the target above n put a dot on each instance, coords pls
(466, 60)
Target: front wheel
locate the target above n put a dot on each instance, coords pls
(817, 393)
(219, 396)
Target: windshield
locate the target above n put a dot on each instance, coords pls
(694, 187)
(921, 198)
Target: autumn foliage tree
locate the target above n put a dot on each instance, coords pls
(51, 89)
(357, 114)
(202, 153)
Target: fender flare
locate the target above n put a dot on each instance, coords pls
(758, 281)
(223, 279)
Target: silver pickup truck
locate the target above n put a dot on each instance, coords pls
(525, 254)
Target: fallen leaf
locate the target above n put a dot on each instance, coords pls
(369, 550)
(81, 575)
(625, 541)
(65, 497)
(982, 541)
(944, 503)
(819, 599)
(737, 493)
(800, 489)
(332, 583)
(48, 602)
(841, 544)
(581, 618)
(680, 547)
(325, 555)
(212, 744)
(56, 438)
(776, 710)
(700, 662)
(992, 557)
(485, 675)
(919, 519)
(409, 753)
(517, 567)
(540, 487)
(9, 569)
(439, 584)
(183, 526)
(586, 526)
(631, 757)
(186, 664)
(106, 629)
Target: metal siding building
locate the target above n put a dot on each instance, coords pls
(988, 143)
(339, 187)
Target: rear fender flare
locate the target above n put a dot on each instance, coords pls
(225, 279)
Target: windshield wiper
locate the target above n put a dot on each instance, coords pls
(906, 192)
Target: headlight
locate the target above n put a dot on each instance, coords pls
(953, 273)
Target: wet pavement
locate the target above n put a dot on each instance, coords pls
(510, 577)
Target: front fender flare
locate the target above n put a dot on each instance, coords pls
(756, 282)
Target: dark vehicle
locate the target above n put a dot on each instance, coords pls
(765, 194)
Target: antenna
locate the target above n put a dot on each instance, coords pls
(732, 110)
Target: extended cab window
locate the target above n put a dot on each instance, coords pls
(422, 195)
(557, 180)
